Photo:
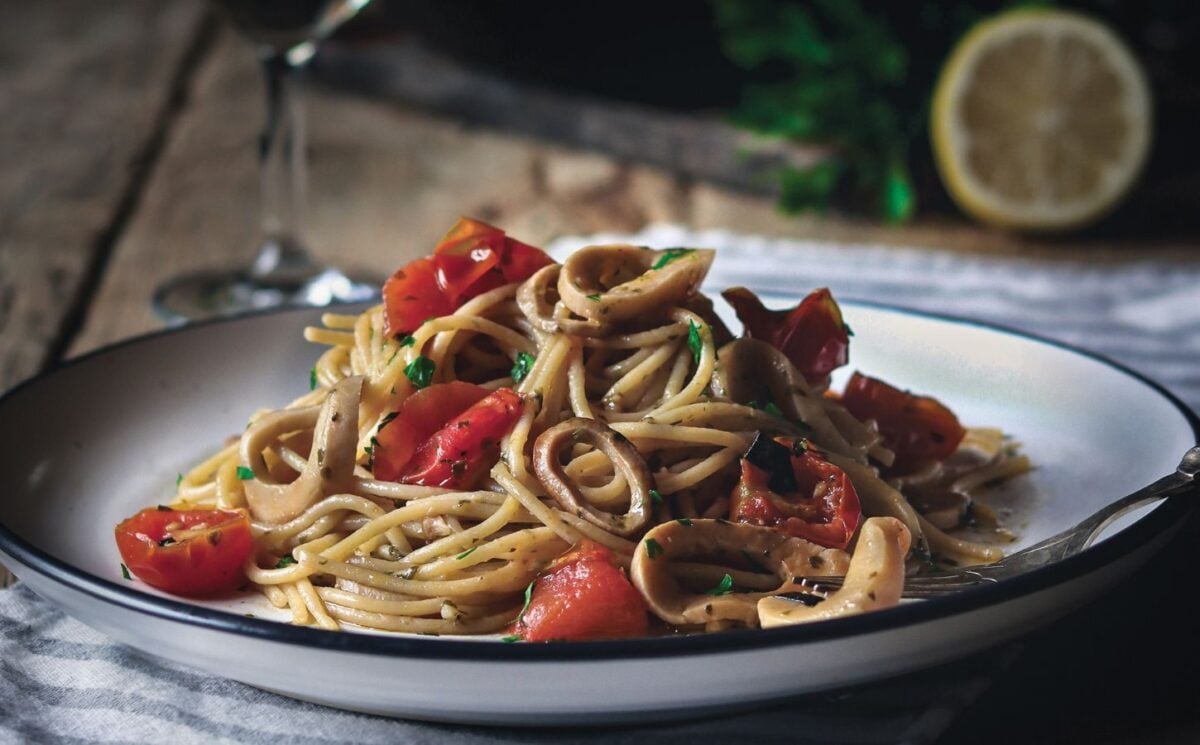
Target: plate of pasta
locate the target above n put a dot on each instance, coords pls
(527, 491)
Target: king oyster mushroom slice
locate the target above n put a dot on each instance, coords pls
(330, 467)
(719, 540)
(874, 580)
(752, 371)
(625, 458)
(618, 282)
(546, 313)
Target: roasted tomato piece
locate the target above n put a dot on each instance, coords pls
(411, 295)
(466, 448)
(812, 335)
(583, 595)
(194, 553)
(471, 259)
(918, 429)
(818, 502)
(420, 415)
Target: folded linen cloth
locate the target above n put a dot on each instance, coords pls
(60, 681)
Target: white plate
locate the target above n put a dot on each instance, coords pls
(88, 444)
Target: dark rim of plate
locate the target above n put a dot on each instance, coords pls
(1138, 535)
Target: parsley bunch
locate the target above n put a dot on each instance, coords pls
(858, 79)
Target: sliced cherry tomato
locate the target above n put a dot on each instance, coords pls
(471, 259)
(186, 552)
(459, 450)
(918, 429)
(823, 508)
(421, 414)
(583, 595)
(411, 295)
(812, 335)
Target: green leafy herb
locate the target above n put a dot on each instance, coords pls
(528, 600)
(312, 378)
(684, 521)
(849, 331)
(284, 562)
(594, 298)
(244, 473)
(387, 418)
(671, 254)
(724, 587)
(773, 410)
(467, 553)
(656, 497)
(420, 371)
(653, 548)
(511, 638)
(407, 340)
(521, 368)
(695, 342)
(178, 480)
(125, 572)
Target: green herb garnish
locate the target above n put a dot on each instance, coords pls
(178, 480)
(511, 638)
(284, 562)
(125, 572)
(653, 548)
(656, 497)
(724, 587)
(773, 410)
(467, 553)
(407, 340)
(244, 473)
(694, 341)
(684, 521)
(528, 600)
(521, 368)
(849, 331)
(420, 371)
(594, 298)
(312, 378)
(671, 254)
(387, 418)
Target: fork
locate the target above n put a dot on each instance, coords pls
(1055, 548)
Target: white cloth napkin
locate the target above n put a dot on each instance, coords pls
(63, 682)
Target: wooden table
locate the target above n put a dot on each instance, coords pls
(127, 145)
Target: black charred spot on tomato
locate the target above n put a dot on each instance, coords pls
(775, 460)
(458, 468)
(214, 537)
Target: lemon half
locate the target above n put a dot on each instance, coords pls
(1041, 120)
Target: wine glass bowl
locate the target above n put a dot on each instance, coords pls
(285, 34)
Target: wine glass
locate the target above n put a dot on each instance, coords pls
(285, 34)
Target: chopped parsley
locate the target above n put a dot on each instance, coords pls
(671, 254)
(521, 368)
(125, 572)
(724, 587)
(285, 562)
(511, 638)
(653, 548)
(528, 599)
(684, 521)
(244, 473)
(407, 340)
(387, 418)
(849, 331)
(178, 480)
(420, 371)
(467, 553)
(695, 342)
(594, 298)
(656, 497)
(312, 378)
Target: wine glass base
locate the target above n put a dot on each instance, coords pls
(213, 294)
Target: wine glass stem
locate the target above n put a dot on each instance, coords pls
(283, 257)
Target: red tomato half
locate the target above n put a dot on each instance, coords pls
(446, 435)
(583, 595)
(812, 335)
(824, 509)
(918, 429)
(471, 259)
(186, 552)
